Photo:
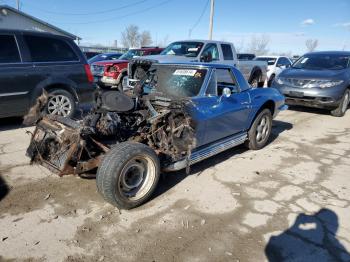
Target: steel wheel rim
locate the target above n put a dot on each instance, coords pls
(262, 129)
(345, 102)
(137, 177)
(59, 105)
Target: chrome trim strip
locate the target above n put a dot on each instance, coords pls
(209, 151)
(14, 94)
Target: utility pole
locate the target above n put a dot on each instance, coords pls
(18, 4)
(211, 19)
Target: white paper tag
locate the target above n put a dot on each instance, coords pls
(184, 72)
(192, 49)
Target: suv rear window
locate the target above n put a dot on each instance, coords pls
(227, 51)
(45, 49)
(8, 49)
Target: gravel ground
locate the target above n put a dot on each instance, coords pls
(287, 201)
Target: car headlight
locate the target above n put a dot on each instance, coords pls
(323, 83)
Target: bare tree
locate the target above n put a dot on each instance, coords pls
(145, 38)
(240, 46)
(311, 44)
(131, 36)
(258, 44)
(164, 42)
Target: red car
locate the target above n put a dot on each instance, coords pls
(112, 73)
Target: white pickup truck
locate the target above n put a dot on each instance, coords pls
(209, 51)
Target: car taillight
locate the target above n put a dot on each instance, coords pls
(89, 75)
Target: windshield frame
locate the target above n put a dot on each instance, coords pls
(334, 56)
(202, 89)
(130, 51)
(168, 48)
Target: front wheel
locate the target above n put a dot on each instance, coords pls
(128, 175)
(343, 106)
(260, 130)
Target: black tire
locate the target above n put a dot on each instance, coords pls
(269, 83)
(343, 105)
(254, 82)
(65, 110)
(253, 141)
(122, 166)
(120, 85)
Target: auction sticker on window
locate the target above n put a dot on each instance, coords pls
(184, 72)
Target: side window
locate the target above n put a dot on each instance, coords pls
(211, 51)
(227, 51)
(226, 79)
(282, 61)
(45, 49)
(212, 86)
(8, 49)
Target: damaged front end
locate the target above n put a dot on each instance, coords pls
(67, 146)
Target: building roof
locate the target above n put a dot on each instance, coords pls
(75, 37)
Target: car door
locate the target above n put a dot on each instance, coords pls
(218, 115)
(14, 89)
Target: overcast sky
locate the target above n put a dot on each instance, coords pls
(287, 23)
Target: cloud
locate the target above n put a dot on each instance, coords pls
(344, 25)
(308, 21)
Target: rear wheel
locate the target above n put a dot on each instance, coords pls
(61, 103)
(128, 175)
(343, 106)
(260, 130)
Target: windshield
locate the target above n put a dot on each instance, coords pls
(322, 62)
(131, 54)
(97, 58)
(269, 60)
(178, 82)
(188, 49)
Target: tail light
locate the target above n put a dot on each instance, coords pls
(89, 75)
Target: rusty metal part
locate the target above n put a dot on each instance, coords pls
(66, 146)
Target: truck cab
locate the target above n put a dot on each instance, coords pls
(209, 51)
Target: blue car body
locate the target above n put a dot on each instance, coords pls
(223, 121)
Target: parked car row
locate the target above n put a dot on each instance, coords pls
(112, 72)
(31, 62)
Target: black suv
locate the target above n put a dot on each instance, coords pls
(31, 62)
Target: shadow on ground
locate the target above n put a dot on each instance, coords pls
(4, 189)
(10, 123)
(310, 238)
(169, 180)
(310, 110)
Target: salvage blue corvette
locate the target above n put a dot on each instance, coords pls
(174, 116)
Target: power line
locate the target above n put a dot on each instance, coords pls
(199, 18)
(90, 13)
(120, 17)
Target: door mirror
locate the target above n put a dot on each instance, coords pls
(226, 92)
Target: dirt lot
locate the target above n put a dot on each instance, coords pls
(287, 201)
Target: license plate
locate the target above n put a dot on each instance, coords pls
(296, 93)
